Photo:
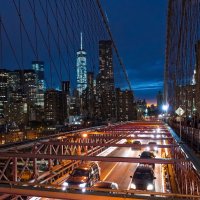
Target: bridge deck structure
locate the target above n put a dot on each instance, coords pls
(47, 163)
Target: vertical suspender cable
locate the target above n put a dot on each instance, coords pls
(49, 44)
(1, 45)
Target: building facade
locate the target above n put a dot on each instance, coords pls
(105, 83)
(124, 105)
(4, 81)
(53, 106)
(159, 99)
(38, 67)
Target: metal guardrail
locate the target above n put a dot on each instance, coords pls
(189, 135)
(50, 191)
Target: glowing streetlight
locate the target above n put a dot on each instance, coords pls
(165, 107)
(84, 135)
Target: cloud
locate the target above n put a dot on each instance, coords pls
(148, 86)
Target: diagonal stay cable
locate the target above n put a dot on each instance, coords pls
(114, 45)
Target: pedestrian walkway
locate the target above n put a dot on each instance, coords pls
(192, 156)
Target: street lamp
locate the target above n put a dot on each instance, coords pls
(84, 135)
(165, 109)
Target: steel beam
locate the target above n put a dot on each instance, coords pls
(94, 158)
(107, 144)
(104, 136)
(96, 194)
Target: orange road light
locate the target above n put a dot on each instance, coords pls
(84, 135)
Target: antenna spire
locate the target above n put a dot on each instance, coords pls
(81, 41)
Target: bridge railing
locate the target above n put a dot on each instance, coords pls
(52, 191)
(189, 135)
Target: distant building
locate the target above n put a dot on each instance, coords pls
(141, 107)
(16, 110)
(74, 104)
(105, 83)
(38, 67)
(124, 105)
(21, 95)
(4, 78)
(159, 98)
(66, 87)
(88, 97)
(65, 100)
(52, 106)
(197, 77)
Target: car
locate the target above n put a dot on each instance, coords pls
(152, 147)
(106, 185)
(143, 179)
(136, 145)
(148, 155)
(85, 175)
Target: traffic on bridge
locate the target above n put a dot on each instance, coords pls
(137, 158)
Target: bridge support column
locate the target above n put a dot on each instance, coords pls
(15, 169)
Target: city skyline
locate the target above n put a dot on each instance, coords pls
(132, 51)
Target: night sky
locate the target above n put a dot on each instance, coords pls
(139, 30)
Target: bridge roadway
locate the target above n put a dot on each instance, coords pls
(120, 172)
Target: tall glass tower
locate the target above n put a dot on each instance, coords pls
(38, 67)
(81, 69)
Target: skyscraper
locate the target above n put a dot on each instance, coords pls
(4, 74)
(105, 82)
(124, 105)
(159, 98)
(66, 87)
(38, 67)
(53, 106)
(81, 69)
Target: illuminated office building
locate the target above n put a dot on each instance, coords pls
(4, 74)
(105, 82)
(124, 105)
(38, 67)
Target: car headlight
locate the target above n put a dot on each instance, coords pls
(83, 190)
(82, 185)
(133, 186)
(65, 185)
(155, 148)
(158, 130)
(150, 187)
(148, 148)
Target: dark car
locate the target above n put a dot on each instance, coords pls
(148, 155)
(85, 175)
(152, 146)
(136, 145)
(143, 179)
(106, 185)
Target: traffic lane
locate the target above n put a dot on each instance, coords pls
(121, 172)
(159, 182)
